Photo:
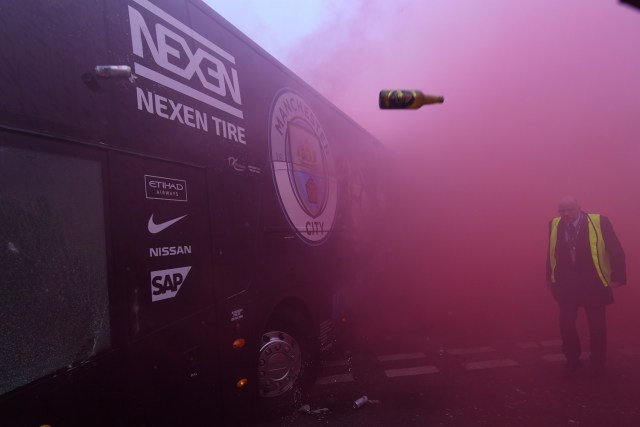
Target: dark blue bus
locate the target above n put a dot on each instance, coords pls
(179, 217)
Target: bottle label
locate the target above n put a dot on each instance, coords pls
(401, 98)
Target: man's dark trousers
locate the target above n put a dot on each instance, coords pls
(597, 329)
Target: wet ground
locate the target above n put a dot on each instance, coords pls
(417, 380)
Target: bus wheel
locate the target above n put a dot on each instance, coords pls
(284, 363)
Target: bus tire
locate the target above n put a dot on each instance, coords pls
(286, 364)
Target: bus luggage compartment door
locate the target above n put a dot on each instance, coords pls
(162, 257)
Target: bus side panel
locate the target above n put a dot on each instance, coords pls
(162, 257)
(48, 50)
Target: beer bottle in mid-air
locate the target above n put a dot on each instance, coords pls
(407, 99)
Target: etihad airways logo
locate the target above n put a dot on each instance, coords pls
(163, 188)
(184, 57)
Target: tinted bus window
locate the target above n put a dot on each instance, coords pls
(53, 293)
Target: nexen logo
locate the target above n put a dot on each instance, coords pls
(219, 78)
(165, 284)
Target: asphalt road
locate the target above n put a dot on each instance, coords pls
(416, 381)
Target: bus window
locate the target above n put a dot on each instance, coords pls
(54, 304)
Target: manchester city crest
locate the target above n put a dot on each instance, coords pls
(303, 168)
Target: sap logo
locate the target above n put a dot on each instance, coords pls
(168, 48)
(165, 284)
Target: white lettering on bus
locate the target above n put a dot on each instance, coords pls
(167, 109)
(168, 47)
(229, 130)
(165, 185)
(169, 251)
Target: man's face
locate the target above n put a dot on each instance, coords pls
(569, 211)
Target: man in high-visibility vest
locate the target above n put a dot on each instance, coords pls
(585, 261)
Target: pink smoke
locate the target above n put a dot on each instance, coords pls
(542, 99)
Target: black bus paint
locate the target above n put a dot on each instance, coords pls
(166, 235)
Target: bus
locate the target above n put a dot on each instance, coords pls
(180, 216)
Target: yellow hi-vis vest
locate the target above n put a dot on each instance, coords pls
(598, 250)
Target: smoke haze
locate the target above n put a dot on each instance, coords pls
(542, 99)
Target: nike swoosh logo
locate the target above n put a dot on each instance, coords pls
(156, 228)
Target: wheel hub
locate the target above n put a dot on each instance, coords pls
(279, 363)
